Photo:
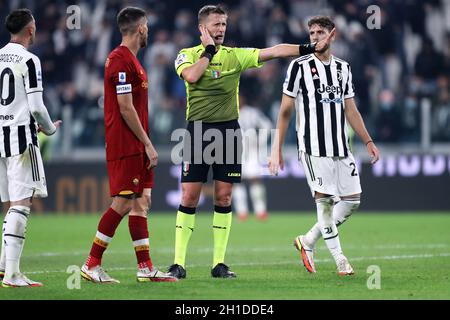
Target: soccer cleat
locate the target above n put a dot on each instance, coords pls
(97, 275)
(344, 268)
(242, 216)
(145, 275)
(222, 271)
(262, 216)
(306, 253)
(177, 271)
(20, 280)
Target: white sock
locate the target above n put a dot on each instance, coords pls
(328, 227)
(258, 195)
(240, 199)
(14, 238)
(341, 212)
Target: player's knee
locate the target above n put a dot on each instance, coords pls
(352, 202)
(189, 200)
(146, 202)
(223, 200)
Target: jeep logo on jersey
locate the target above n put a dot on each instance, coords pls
(122, 77)
(330, 89)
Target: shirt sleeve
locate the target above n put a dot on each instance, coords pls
(184, 59)
(291, 83)
(349, 91)
(248, 58)
(121, 74)
(33, 75)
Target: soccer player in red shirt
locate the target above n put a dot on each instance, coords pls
(130, 154)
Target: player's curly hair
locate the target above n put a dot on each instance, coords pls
(323, 21)
(210, 9)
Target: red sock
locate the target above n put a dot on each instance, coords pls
(106, 229)
(139, 235)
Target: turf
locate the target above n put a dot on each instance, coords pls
(411, 250)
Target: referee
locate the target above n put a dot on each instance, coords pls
(211, 74)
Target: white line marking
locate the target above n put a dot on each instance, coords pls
(249, 249)
(394, 257)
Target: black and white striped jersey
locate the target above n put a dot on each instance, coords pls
(20, 75)
(320, 91)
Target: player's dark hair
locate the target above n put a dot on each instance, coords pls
(17, 20)
(210, 9)
(128, 19)
(323, 21)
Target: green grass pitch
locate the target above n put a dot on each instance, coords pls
(411, 250)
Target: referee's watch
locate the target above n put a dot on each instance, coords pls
(305, 49)
(209, 52)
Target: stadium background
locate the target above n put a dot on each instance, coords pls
(401, 73)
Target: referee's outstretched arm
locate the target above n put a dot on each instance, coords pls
(293, 50)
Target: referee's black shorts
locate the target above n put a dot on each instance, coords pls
(206, 150)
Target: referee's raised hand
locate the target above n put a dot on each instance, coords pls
(205, 37)
(324, 44)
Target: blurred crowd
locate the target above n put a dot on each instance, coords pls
(394, 67)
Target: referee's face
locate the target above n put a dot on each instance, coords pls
(216, 25)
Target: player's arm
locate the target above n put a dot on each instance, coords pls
(291, 50)
(194, 72)
(34, 89)
(40, 114)
(131, 118)
(284, 116)
(356, 121)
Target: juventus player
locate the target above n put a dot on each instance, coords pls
(320, 88)
(252, 122)
(21, 169)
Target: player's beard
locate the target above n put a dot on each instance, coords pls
(143, 42)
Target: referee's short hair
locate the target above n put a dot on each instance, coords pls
(210, 9)
(129, 18)
(17, 20)
(323, 21)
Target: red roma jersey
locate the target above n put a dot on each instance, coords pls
(124, 74)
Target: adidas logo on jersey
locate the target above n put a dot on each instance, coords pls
(316, 77)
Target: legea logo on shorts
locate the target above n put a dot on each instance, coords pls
(135, 181)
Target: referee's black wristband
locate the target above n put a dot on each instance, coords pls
(305, 49)
(209, 52)
(369, 142)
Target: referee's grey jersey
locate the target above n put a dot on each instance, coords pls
(20, 75)
(320, 91)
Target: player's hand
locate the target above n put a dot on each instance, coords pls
(373, 151)
(276, 163)
(324, 44)
(152, 156)
(57, 124)
(205, 36)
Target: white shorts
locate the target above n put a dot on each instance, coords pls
(331, 175)
(22, 176)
